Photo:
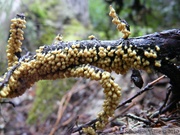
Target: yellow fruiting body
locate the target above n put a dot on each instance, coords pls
(15, 39)
(89, 131)
(79, 61)
(74, 59)
(121, 26)
(58, 38)
(91, 37)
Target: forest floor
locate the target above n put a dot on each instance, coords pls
(82, 103)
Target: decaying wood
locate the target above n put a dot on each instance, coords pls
(93, 59)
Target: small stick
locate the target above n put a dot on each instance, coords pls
(147, 87)
(122, 112)
(165, 109)
(132, 116)
(85, 125)
(164, 104)
(8, 75)
(4, 102)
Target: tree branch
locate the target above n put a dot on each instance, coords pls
(92, 59)
(150, 52)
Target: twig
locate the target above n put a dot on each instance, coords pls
(63, 104)
(132, 116)
(84, 125)
(8, 75)
(8, 102)
(9, 72)
(165, 109)
(71, 125)
(110, 130)
(146, 88)
(4, 102)
(167, 97)
(123, 111)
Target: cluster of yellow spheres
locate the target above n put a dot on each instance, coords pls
(111, 89)
(121, 26)
(74, 59)
(89, 131)
(16, 36)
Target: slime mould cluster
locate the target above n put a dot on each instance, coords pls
(14, 42)
(121, 26)
(92, 59)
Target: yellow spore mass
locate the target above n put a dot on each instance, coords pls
(74, 59)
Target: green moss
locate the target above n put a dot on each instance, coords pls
(48, 36)
(47, 94)
(38, 11)
(41, 8)
(41, 20)
(75, 30)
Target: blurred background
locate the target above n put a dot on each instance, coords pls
(36, 111)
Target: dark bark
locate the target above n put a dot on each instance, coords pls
(168, 53)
